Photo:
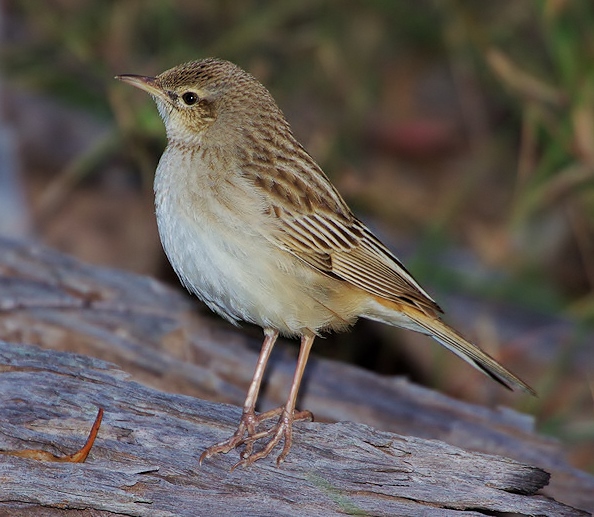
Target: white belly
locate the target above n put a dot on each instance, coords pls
(201, 239)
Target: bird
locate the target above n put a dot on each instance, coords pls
(255, 229)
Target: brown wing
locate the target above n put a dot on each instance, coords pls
(316, 225)
(348, 250)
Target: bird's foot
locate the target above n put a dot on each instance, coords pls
(246, 434)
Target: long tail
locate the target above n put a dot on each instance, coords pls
(452, 340)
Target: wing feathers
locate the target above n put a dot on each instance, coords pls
(347, 249)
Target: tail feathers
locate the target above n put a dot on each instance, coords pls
(473, 355)
(409, 317)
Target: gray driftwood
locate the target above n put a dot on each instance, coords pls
(145, 458)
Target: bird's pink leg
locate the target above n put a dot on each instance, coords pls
(284, 427)
(249, 420)
(246, 431)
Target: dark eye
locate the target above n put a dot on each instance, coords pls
(189, 98)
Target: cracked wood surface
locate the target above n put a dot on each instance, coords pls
(156, 335)
(144, 461)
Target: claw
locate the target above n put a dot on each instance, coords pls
(246, 434)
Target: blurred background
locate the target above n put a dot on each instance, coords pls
(461, 132)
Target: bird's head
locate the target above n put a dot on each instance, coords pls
(210, 96)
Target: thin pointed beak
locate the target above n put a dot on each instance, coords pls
(148, 84)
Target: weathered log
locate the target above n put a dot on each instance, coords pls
(155, 333)
(144, 461)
